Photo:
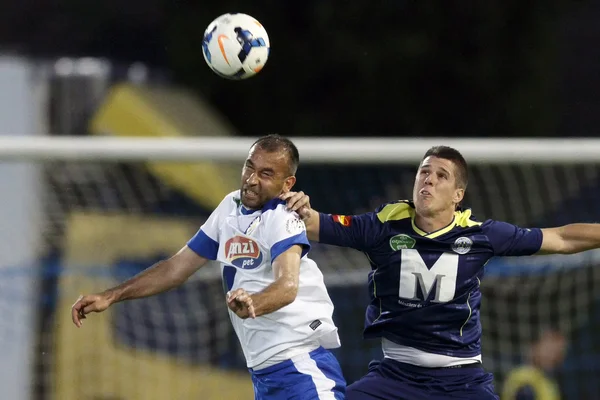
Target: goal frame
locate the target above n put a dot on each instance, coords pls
(374, 150)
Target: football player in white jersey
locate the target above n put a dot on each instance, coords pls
(278, 303)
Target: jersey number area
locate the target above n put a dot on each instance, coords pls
(414, 274)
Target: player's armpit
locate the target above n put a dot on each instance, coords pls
(570, 239)
(283, 291)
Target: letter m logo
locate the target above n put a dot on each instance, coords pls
(441, 276)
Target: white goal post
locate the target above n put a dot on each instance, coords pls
(312, 150)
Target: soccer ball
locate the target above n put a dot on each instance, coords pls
(236, 46)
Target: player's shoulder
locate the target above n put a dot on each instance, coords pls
(230, 202)
(464, 218)
(234, 196)
(395, 211)
(276, 209)
(492, 226)
(232, 199)
(492, 229)
(276, 214)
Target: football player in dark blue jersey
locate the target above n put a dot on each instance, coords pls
(427, 258)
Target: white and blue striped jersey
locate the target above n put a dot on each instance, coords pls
(245, 243)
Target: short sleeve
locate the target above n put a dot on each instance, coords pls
(284, 230)
(356, 231)
(205, 242)
(510, 240)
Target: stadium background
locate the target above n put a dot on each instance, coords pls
(401, 69)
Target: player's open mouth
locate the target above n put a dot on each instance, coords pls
(250, 193)
(424, 192)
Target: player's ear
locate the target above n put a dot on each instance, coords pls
(459, 194)
(289, 183)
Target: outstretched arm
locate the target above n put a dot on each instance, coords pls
(355, 231)
(570, 239)
(162, 276)
(280, 293)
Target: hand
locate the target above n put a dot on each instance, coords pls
(87, 304)
(240, 302)
(298, 202)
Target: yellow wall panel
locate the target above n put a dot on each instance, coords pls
(140, 111)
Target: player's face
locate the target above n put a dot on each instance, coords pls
(436, 187)
(265, 176)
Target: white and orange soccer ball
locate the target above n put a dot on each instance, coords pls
(236, 46)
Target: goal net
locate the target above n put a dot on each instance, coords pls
(102, 212)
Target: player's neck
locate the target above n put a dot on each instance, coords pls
(432, 223)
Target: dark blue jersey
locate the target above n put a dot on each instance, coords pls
(424, 287)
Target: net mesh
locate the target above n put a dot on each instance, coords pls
(105, 221)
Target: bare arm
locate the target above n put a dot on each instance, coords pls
(300, 203)
(286, 270)
(162, 276)
(570, 239)
(312, 221)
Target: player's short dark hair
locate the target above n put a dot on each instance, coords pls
(460, 164)
(274, 142)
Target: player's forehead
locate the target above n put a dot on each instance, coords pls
(437, 163)
(261, 158)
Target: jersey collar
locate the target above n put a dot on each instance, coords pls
(434, 234)
(271, 205)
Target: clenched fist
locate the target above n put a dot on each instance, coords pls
(240, 302)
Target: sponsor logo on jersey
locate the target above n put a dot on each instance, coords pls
(344, 220)
(243, 252)
(402, 241)
(462, 245)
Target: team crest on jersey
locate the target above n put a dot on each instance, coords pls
(294, 226)
(252, 227)
(243, 252)
(402, 241)
(462, 245)
(344, 220)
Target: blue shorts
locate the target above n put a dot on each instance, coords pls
(389, 379)
(313, 376)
